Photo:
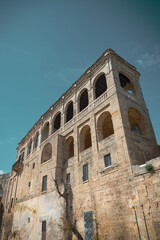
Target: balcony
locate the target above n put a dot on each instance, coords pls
(18, 165)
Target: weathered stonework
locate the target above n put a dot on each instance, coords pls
(101, 118)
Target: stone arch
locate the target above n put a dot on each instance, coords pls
(69, 147)
(69, 111)
(104, 126)
(45, 132)
(85, 138)
(56, 122)
(46, 153)
(100, 85)
(138, 123)
(83, 99)
(126, 84)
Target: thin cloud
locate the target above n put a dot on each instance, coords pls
(148, 60)
(1, 172)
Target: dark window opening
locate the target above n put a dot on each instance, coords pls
(85, 172)
(68, 178)
(29, 184)
(36, 141)
(44, 183)
(30, 147)
(43, 230)
(136, 129)
(69, 112)
(100, 86)
(21, 157)
(83, 101)
(11, 202)
(85, 138)
(138, 124)
(57, 123)
(69, 148)
(126, 84)
(107, 160)
(33, 166)
(104, 126)
(46, 153)
(28, 220)
(45, 132)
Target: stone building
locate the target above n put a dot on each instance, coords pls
(98, 138)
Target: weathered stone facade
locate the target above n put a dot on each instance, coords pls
(98, 137)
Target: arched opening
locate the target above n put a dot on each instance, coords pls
(46, 153)
(137, 121)
(104, 126)
(57, 122)
(100, 86)
(45, 132)
(69, 147)
(36, 140)
(85, 138)
(69, 112)
(126, 84)
(83, 100)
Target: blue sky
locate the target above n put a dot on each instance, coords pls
(46, 45)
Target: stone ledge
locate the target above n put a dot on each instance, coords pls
(141, 170)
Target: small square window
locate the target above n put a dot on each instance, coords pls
(68, 178)
(29, 184)
(33, 166)
(85, 172)
(107, 160)
(44, 183)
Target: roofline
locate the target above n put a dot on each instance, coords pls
(106, 55)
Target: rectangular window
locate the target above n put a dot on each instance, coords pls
(33, 166)
(88, 226)
(44, 183)
(68, 178)
(85, 172)
(107, 160)
(43, 230)
(29, 184)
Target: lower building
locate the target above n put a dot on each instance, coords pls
(90, 166)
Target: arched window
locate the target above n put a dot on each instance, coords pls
(137, 122)
(126, 84)
(30, 147)
(57, 122)
(45, 132)
(36, 140)
(104, 126)
(85, 138)
(69, 148)
(100, 86)
(69, 112)
(46, 153)
(83, 100)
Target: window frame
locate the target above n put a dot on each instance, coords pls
(85, 173)
(106, 165)
(44, 183)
